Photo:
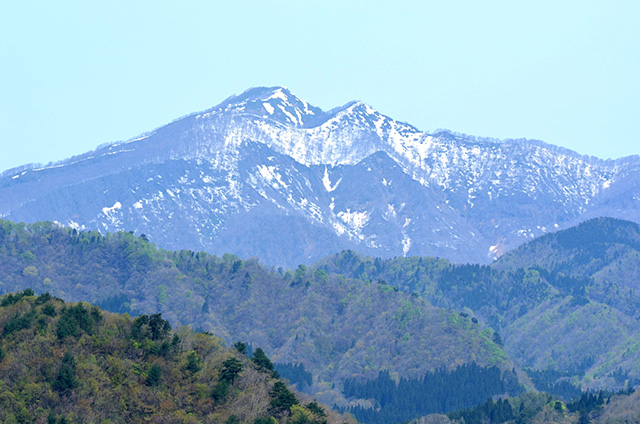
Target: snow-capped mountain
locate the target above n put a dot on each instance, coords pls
(266, 174)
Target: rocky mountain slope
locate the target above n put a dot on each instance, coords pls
(266, 174)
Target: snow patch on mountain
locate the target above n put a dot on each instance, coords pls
(327, 182)
(355, 220)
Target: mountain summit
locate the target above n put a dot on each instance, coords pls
(266, 174)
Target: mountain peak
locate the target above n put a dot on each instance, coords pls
(277, 103)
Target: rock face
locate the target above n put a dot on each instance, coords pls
(266, 174)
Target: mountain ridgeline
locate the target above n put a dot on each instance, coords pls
(266, 174)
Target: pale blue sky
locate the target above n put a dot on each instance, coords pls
(76, 74)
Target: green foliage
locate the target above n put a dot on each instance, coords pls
(12, 299)
(296, 374)
(336, 325)
(76, 319)
(240, 347)
(162, 294)
(150, 327)
(194, 362)
(154, 376)
(262, 360)
(220, 391)
(66, 377)
(231, 369)
(282, 399)
(232, 420)
(49, 309)
(440, 391)
(316, 409)
(19, 322)
(106, 375)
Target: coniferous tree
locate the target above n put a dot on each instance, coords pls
(154, 376)
(194, 363)
(281, 397)
(240, 347)
(66, 377)
(262, 360)
(231, 369)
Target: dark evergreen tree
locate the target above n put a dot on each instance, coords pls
(281, 398)
(194, 363)
(66, 377)
(231, 369)
(262, 360)
(220, 390)
(240, 347)
(154, 376)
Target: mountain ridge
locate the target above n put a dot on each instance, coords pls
(267, 152)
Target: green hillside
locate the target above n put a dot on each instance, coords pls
(74, 363)
(565, 305)
(336, 327)
(601, 254)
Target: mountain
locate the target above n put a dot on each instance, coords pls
(74, 363)
(565, 304)
(266, 174)
(321, 326)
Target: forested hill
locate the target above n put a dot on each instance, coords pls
(602, 253)
(566, 305)
(336, 327)
(65, 363)
(590, 248)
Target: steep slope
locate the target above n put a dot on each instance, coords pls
(73, 363)
(336, 327)
(266, 174)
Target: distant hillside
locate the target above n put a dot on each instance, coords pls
(602, 252)
(565, 305)
(74, 363)
(336, 327)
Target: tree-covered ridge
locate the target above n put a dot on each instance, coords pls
(556, 302)
(74, 363)
(336, 327)
(601, 255)
(575, 248)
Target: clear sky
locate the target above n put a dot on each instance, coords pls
(76, 74)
